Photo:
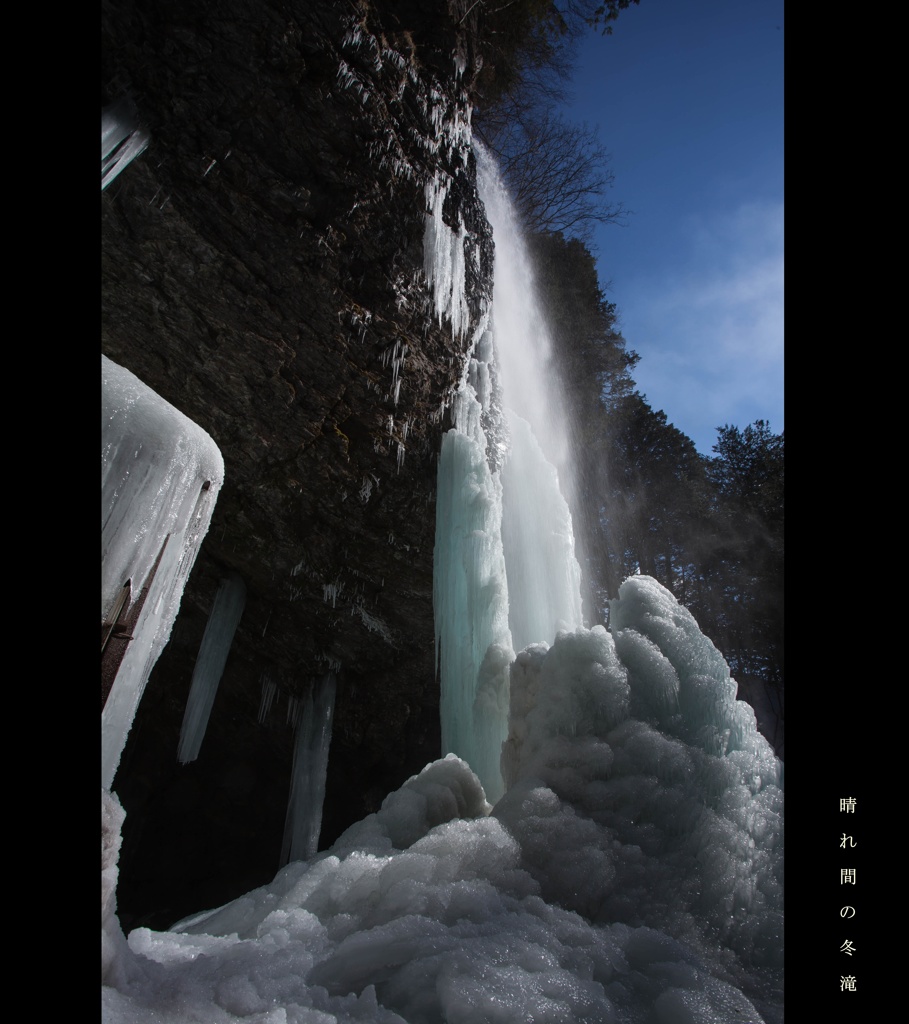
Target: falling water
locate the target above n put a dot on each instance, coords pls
(544, 578)
(505, 571)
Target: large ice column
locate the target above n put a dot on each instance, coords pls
(470, 591)
(310, 766)
(213, 651)
(160, 478)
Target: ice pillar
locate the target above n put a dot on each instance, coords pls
(213, 651)
(470, 591)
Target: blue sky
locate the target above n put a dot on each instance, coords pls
(688, 99)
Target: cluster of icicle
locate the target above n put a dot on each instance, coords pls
(505, 572)
(365, 60)
(445, 258)
(442, 133)
(446, 118)
(446, 128)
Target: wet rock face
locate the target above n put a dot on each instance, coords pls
(263, 272)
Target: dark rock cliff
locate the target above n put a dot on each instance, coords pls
(263, 272)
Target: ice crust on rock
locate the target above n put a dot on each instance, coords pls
(303, 822)
(160, 477)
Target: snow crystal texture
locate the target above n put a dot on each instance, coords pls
(632, 873)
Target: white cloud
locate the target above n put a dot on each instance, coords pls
(710, 334)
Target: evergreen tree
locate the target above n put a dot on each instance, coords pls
(710, 529)
(748, 561)
(557, 171)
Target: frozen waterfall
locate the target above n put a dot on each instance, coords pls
(505, 569)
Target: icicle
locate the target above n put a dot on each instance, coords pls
(213, 651)
(269, 689)
(310, 765)
(293, 712)
(373, 624)
(122, 140)
(365, 491)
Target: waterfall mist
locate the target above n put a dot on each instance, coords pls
(307, 786)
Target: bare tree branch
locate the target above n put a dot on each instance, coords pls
(557, 172)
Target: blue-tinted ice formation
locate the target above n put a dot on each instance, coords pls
(505, 572)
